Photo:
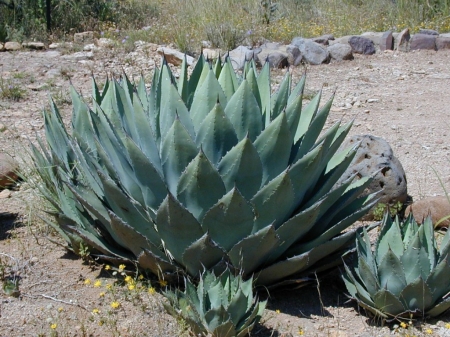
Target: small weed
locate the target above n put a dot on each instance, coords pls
(11, 90)
(380, 209)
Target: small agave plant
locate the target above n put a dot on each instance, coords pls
(207, 171)
(407, 275)
(222, 306)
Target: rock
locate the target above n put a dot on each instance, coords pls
(438, 207)
(12, 46)
(79, 56)
(34, 45)
(2, 48)
(52, 53)
(324, 39)
(362, 45)
(375, 37)
(386, 41)
(275, 54)
(104, 42)
(312, 52)
(8, 170)
(54, 45)
(174, 57)
(294, 55)
(5, 194)
(83, 37)
(3, 127)
(423, 41)
(211, 54)
(401, 41)
(90, 47)
(239, 55)
(375, 155)
(428, 32)
(340, 51)
(342, 39)
(442, 42)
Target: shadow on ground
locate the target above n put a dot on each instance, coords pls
(8, 221)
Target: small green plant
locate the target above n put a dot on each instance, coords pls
(11, 90)
(381, 208)
(406, 275)
(223, 306)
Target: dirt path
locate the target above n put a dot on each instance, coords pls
(410, 108)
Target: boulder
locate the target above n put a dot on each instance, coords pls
(375, 155)
(340, 51)
(2, 48)
(401, 40)
(211, 54)
(294, 55)
(12, 46)
(174, 57)
(342, 39)
(83, 37)
(104, 42)
(8, 170)
(239, 55)
(362, 45)
(34, 45)
(324, 39)
(375, 37)
(438, 207)
(428, 32)
(442, 42)
(312, 52)
(275, 54)
(423, 41)
(386, 41)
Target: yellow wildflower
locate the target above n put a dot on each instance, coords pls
(53, 326)
(101, 322)
(141, 277)
(108, 286)
(107, 267)
(162, 283)
(301, 332)
(403, 325)
(98, 284)
(131, 287)
(429, 331)
(121, 267)
(128, 279)
(87, 281)
(151, 290)
(60, 309)
(95, 311)
(447, 325)
(101, 294)
(115, 305)
(277, 311)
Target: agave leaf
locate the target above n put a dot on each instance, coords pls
(154, 104)
(391, 273)
(388, 302)
(205, 98)
(274, 203)
(226, 329)
(439, 308)
(363, 249)
(274, 141)
(141, 92)
(438, 279)
(194, 80)
(203, 253)
(200, 186)
(411, 260)
(416, 296)
(216, 135)
(244, 113)
(366, 274)
(253, 84)
(229, 220)
(444, 247)
(183, 89)
(177, 151)
(293, 113)
(428, 243)
(280, 98)
(227, 79)
(177, 227)
(390, 239)
(241, 167)
(307, 116)
(297, 91)
(215, 317)
(263, 81)
(155, 262)
(81, 121)
(238, 307)
(252, 251)
(356, 289)
(247, 325)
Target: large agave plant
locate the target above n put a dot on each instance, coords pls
(406, 276)
(202, 172)
(223, 306)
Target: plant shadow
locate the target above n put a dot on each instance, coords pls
(8, 221)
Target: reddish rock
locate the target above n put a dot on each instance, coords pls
(403, 40)
(437, 207)
(387, 41)
(423, 41)
(442, 43)
(8, 170)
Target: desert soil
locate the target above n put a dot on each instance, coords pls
(402, 97)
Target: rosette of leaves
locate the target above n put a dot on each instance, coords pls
(407, 275)
(222, 306)
(207, 171)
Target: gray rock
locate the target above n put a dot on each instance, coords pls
(437, 207)
(442, 42)
(375, 37)
(104, 42)
(324, 39)
(340, 51)
(79, 56)
(8, 170)
(34, 45)
(401, 40)
(423, 41)
(275, 54)
(362, 45)
(294, 55)
(174, 57)
(387, 41)
(444, 35)
(312, 52)
(375, 155)
(239, 55)
(428, 32)
(2, 48)
(12, 46)
(83, 37)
